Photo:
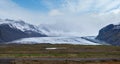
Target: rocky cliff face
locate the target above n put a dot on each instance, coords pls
(11, 30)
(110, 34)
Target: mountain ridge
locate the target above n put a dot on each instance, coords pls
(110, 34)
(11, 30)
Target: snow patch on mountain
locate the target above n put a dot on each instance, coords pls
(21, 25)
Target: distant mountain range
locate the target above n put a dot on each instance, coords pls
(12, 31)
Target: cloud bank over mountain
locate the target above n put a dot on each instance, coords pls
(85, 17)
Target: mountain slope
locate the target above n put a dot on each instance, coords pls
(110, 34)
(11, 30)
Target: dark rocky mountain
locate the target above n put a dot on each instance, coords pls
(110, 34)
(12, 30)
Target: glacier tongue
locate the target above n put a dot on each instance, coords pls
(55, 40)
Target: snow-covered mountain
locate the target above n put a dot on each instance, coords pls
(11, 30)
(20, 25)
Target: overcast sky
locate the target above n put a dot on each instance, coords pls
(83, 16)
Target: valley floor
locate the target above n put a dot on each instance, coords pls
(60, 53)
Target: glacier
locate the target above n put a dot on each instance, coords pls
(55, 40)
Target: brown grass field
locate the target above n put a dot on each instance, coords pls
(62, 51)
(63, 62)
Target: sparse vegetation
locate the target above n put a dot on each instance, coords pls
(62, 51)
(63, 62)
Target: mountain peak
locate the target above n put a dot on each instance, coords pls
(11, 21)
